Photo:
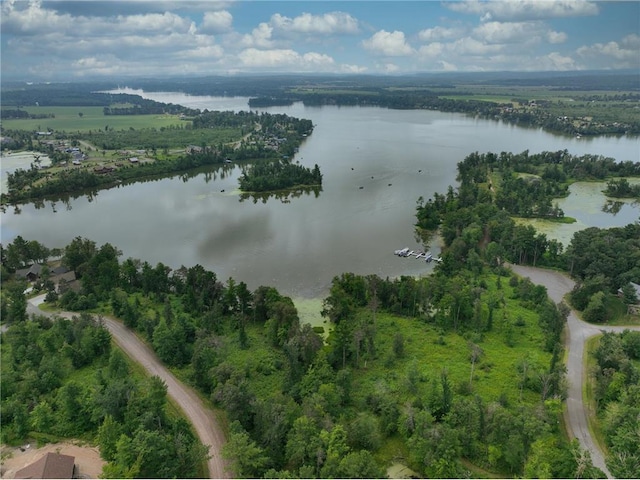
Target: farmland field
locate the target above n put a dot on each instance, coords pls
(93, 118)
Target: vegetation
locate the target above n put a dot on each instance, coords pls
(215, 138)
(278, 175)
(301, 407)
(616, 391)
(62, 379)
(622, 189)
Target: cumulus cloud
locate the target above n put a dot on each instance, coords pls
(473, 47)
(432, 50)
(555, 61)
(216, 22)
(348, 68)
(259, 37)
(556, 37)
(439, 33)
(517, 32)
(284, 58)
(524, 9)
(390, 44)
(623, 54)
(328, 23)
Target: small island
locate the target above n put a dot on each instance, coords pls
(279, 175)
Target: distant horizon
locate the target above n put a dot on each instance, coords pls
(61, 40)
(499, 75)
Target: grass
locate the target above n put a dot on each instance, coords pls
(430, 351)
(588, 395)
(616, 312)
(93, 118)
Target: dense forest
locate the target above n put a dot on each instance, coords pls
(62, 379)
(278, 175)
(617, 393)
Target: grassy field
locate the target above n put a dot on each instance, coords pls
(428, 351)
(93, 118)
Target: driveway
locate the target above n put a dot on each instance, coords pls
(576, 416)
(202, 418)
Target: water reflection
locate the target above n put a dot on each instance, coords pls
(614, 206)
(284, 196)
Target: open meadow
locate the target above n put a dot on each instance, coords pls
(83, 119)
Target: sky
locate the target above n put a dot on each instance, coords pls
(75, 40)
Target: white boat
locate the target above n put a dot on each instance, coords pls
(428, 257)
(402, 253)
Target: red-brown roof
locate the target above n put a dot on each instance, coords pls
(51, 465)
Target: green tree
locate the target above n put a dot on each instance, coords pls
(596, 310)
(247, 460)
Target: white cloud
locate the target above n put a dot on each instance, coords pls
(151, 22)
(259, 37)
(613, 54)
(555, 61)
(211, 51)
(216, 22)
(285, 59)
(525, 9)
(390, 44)
(517, 32)
(432, 50)
(328, 23)
(347, 68)
(473, 47)
(556, 37)
(447, 67)
(439, 33)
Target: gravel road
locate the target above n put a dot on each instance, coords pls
(558, 285)
(201, 417)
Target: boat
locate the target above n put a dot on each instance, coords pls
(402, 252)
(428, 257)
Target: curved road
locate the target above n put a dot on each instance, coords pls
(576, 416)
(201, 417)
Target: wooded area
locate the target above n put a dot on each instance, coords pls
(455, 371)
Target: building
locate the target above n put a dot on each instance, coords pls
(51, 465)
(31, 274)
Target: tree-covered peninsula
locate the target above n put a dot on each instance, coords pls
(89, 160)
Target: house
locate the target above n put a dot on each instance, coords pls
(31, 274)
(51, 465)
(635, 286)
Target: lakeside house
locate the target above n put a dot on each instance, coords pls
(51, 465)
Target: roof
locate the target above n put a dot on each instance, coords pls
(635, 286)
(51, 465)
(59, 270)
(34, 269)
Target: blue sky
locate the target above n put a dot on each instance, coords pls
(67, 40)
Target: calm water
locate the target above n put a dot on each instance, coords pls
(376, 163)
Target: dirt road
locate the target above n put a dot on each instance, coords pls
(558, 285)
(201, 417)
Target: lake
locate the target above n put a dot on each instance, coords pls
(375, 162)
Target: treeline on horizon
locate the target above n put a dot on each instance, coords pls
(404, 92)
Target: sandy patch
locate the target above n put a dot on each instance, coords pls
(87, 459)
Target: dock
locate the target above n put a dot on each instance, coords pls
(405, 252)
